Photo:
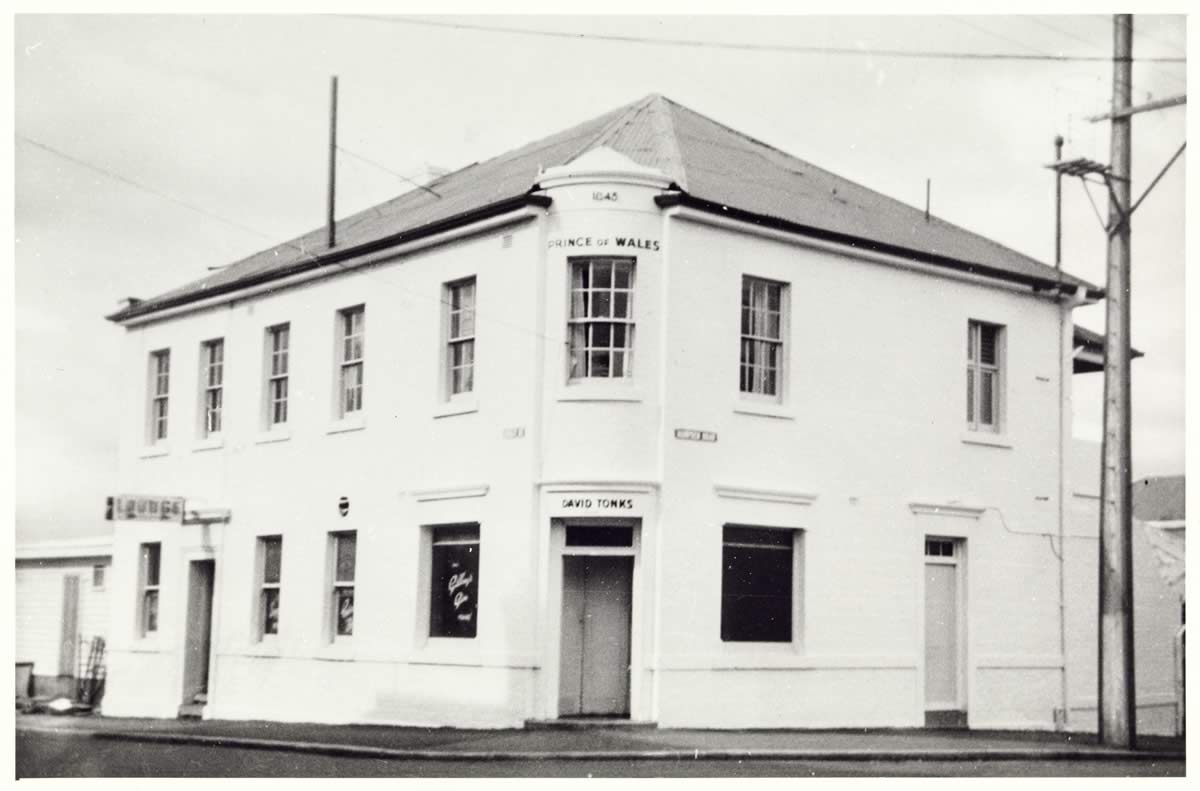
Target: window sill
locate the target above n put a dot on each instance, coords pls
(447, 651)
(986, 438)
(466, 652)
(208, 443)
(340, 650)
(277, 434)
(154, 451)
(145, 645)
(600, 391)
(457, 406)
(355, 422)
(267, 646)
(764, 409)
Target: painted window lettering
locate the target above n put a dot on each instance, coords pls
(454, 599)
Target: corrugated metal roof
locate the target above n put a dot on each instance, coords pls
(1093, 343)
(705, 159)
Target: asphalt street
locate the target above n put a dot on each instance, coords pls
(41, 754)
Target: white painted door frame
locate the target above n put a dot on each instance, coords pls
(638, 696)
(958, 562)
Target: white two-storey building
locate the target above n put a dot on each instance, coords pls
(644, 420)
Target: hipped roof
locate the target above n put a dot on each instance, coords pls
(714, 167)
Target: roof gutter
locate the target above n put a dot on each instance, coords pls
(306, 266)
(682, 199)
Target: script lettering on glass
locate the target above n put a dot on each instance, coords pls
(455, 598)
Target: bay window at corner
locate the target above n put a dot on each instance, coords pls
(600, 323)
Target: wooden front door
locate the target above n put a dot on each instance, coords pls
(595, 655)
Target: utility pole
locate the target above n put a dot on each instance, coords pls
(1062, 721)
(1058, 147)
(1117, 707)
(329, 224)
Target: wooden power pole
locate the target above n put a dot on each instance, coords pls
(1117, 706)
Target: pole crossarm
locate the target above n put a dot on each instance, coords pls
(1126, 112)
(1080, 166)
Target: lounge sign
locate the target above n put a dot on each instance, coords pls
(143, 508)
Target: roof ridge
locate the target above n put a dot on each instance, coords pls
(624, 116)
(670, 137)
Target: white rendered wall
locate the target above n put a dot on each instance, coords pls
(291, 487)
(872, 420)
(871, 424)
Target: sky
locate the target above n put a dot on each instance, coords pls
(149, 148)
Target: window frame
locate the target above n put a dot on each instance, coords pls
(159, 392)
(794, 545)
(450, 292)
(347, 362)
(211, 393)
(447, 535)
(276, 356)
(338, 586)
(977, 368)
(264, 587)
(760, 341)
(147, 616)
(588, 322)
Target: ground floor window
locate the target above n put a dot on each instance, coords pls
(454, 595)
(270, 561)
(758, 589)
(148, 603)
(344, 551)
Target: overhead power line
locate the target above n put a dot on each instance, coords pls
(792, 48)
(138, 185)
(386, 169)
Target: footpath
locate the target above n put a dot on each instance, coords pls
(615, 742)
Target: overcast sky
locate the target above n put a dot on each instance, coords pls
(229, 116)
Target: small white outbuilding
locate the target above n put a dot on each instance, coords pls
(62, 604)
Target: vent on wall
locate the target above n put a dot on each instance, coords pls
(506, 241)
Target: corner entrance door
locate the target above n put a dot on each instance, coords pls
(943, 632)
(594, 667)
(199, 631)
